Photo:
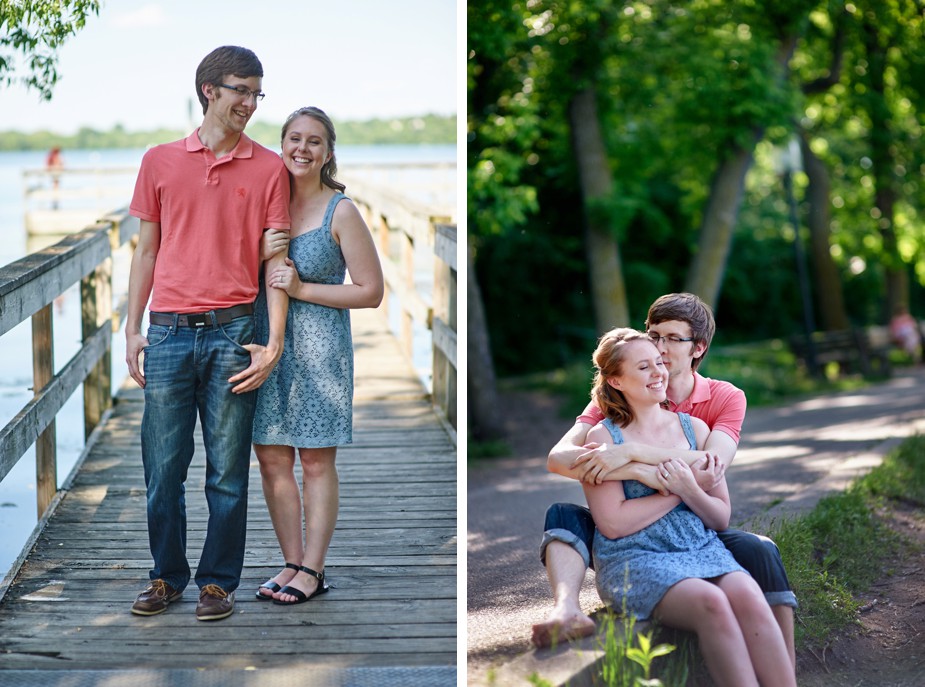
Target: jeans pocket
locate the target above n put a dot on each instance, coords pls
(157, 334)
(239, 332)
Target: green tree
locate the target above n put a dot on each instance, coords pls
(866, 129)
(691, 97)
(574, 41)
(739, 67)
(32, 31)
(887, 28)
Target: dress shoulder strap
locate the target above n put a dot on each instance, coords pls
(332, 204)
(615, 432)
(688, 428)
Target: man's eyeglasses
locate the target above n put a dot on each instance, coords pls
(673, 340)
(243, 91)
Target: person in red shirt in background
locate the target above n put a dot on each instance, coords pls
(904, 332)
(54, 163)
(682, 328)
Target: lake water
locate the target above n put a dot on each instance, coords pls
(17, 490)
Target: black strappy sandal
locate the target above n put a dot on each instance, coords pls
(300, 596)
(272, 586)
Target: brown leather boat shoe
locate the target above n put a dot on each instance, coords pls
(214, 603)
(155, 598)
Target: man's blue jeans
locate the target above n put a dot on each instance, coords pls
(186, 373)
(572, 525)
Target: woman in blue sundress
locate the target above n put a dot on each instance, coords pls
(305, 407)
(658, 551)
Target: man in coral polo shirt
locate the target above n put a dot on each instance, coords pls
(204, 203)
(682, 327)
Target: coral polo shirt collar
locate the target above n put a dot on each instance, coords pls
(243, 148)
(699, 394)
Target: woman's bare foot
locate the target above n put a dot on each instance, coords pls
(558, 628)
(281, 579)
(304, 582)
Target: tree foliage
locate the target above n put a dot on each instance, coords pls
(32, 32)
(683, 87)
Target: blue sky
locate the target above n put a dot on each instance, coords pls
(135, 63)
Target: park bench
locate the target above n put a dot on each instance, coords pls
(857, 350)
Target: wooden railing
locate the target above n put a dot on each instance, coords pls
(410, 241)
(444, 323)
(29, 286)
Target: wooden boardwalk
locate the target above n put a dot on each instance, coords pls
(390, 618)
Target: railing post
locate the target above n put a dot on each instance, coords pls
(444, 323)
(96, 308)
(407, 277)
(43, 370)
(380, 227)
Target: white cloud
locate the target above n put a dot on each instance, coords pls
(148, 16)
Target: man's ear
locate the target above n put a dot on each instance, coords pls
(699, 349)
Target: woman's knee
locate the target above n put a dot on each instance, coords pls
(745, 595)
(317, 462)
(712, 602)
(275, 461)
(702, 606)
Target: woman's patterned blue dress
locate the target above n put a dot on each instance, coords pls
(307, 401)
(646, 564)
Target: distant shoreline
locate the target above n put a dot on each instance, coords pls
(421, 130)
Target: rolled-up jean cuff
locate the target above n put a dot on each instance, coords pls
(787, 598)
(566, 537)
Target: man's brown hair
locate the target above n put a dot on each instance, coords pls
(685, 307)
(228, 60)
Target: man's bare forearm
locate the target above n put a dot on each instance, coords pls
(277, 309)
(653, 455)
(567, 450)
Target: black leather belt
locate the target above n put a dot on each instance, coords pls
(202, 319)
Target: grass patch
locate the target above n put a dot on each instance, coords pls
(901, 476)
(827, 560)
(840, 548)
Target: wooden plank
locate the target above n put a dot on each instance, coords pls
(30, 283)
(445, 340)
(392, 561)
(96, 309)
(445, 244)
(43, 371)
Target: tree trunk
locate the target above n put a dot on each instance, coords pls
(608, 289)
(705, 277)
(484, 408)
(830, 300)
(881, 155)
